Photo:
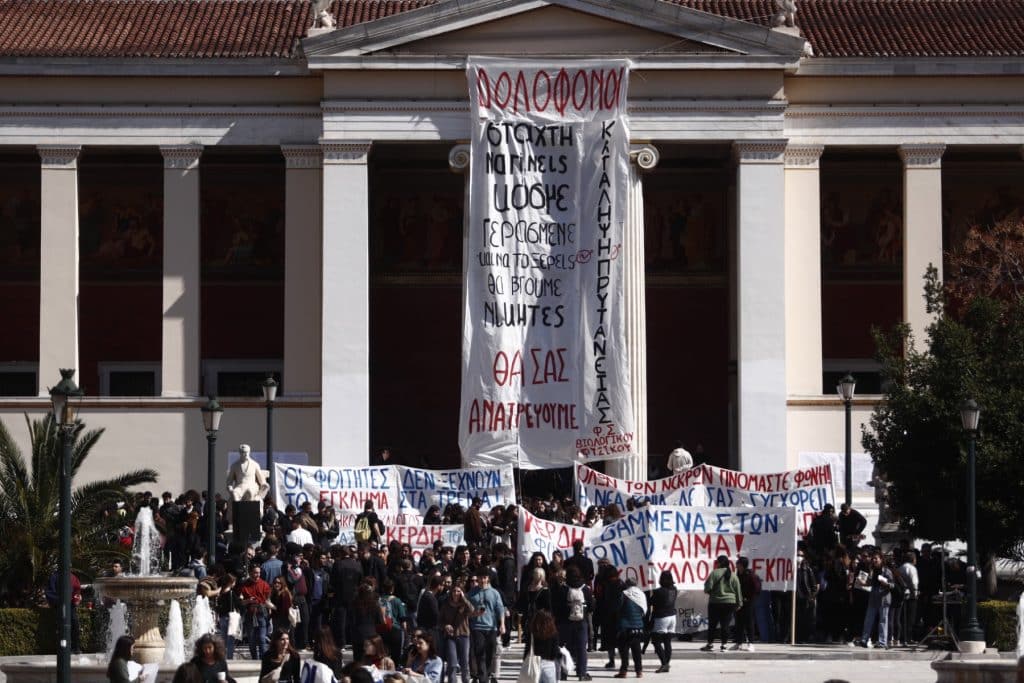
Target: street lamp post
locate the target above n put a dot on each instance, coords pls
(269, 394)
(61, 396)
(970, 414)
(845, 387)
(211, 423)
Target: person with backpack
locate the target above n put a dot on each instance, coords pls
(368, 527)
(663, 619)
(724, 597)
(394, 616)
(572, 603)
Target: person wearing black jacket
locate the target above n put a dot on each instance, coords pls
(571, 602)
(662, 606)
(427, 609)
(505, 582)
(851, 526)
(345, 577)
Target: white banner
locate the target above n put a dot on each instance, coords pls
(545, 374)
(401, 495)
(419, 537)
(807, 490)
(863, 469)
(683, 541)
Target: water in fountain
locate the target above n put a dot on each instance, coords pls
(203, 620)
(1020, 630)
(118, 626)
(146, 547)
(174, 654)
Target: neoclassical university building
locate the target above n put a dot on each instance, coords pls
(194, 193)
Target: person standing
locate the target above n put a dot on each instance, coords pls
(455, 614)
(254, 595)
(544, 639)
(750, 587)
(632, 607)
(806, 598)
(486, 624)
(368, 527)
(908, 614)
(881, 581)
(345, 577)
(725, 596)
(663, 619)
(851, 526)
(572, 603)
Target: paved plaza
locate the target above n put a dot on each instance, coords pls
(769, 664)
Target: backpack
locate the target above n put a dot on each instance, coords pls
(316, 593)
(393, 608)
(577, 604)
(363, 532)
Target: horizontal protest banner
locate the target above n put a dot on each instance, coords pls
(400, 495)
(419, 537)
(807, 490)
(684, 541)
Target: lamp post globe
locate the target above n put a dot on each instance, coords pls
(845, 388)
(212, 413)
(63, 398)
(972, 636)
(270, 387)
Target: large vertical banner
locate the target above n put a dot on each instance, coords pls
(545, 377)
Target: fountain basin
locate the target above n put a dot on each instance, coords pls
(145, 597)
(971, 670)
(93, 669)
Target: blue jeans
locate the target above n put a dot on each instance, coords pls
(549, 671)
(222, 631)
(880, 611)
(456, 654)
(257, 635)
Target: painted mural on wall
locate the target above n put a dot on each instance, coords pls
(243, 215)
(684, 224)
(416, 220)
(19, 220)
(120, 218)
(861, 221)
(978, 196)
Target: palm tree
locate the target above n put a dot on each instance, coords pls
(29, 501)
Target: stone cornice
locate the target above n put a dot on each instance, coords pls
(85, 111)
(302, 156)
(803, 156)
(922, 155)
(759, 151)
(59, 156)
(182, 157)
(353, 152)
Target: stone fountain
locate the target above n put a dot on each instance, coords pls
(147, 592)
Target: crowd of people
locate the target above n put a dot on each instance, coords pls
(448, 613)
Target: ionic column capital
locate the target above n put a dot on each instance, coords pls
(302, 156)
(644, 155)
(59, 156)
(181, 157)
(804, 156)
(759, 151)
(349, 152)
(458, 158)
(922, 155)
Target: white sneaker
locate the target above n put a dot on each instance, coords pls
(749, 647)
(869, 645)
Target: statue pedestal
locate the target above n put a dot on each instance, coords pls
(245, 521)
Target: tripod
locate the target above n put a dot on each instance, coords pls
(942, 634)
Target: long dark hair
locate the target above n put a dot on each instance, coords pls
(543, 625)
(276, 638)
(324, 649)
(219, 653)
(122, 650)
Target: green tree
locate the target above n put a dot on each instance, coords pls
(974, 348)
(29, 502)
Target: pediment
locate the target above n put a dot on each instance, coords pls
(651, 30)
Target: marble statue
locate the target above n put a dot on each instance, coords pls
(245, 478)
(785, 14)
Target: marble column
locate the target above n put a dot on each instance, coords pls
(803, 270)
(58, 268)
(761, 304)
(302, 269)
(180, 371)
(345, 314)
(922, 230)
(643, 158)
